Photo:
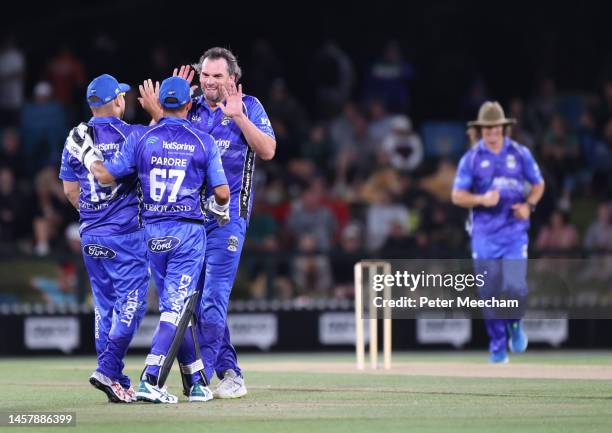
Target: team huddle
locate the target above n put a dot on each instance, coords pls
(171, 200)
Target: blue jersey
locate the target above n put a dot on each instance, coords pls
(237, 156)
(511, 172)
(111, 209)
(174, 162)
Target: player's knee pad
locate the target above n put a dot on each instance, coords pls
(170, 317)
(156, 360)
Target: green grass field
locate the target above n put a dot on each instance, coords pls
(323, 393)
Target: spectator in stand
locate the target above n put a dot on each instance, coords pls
(440, 183)
(560, 153)
(343, 130)
(558, 236)
(598, 239)
(317, 147)
(333, 79)
(380, 218)
(43, 130)
(53, 212)
(11, 208)
(10, 152)
(12, 75)
(345, 255)
(282, 106)
(311, 270)
(387, 79)
(263, 66)
(398, 243)
(309, 216)
(444, 240)
(403, 147)
(379, 126)
(596, 152)
(263, 229)
(349, 137)
(517, 131)
(543, 107)
(66, 74)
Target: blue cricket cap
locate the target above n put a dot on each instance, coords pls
(174, 92)
(104, 89)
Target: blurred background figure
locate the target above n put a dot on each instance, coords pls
(12, 78)
(43, 129)
(388, 78)
(558, 238)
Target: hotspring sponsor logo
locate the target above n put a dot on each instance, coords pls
(173, 145)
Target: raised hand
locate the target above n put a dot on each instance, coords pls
(149, 98)
(232, 100)
(186, 72)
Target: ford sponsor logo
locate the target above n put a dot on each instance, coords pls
(99, 251)
(161, 245)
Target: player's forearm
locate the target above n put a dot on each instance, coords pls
(466, 199)
(74, 200)
(263, 145)
(222, 194)
(101, 173)
(536, 193)
(71, 191)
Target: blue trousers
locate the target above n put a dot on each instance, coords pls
(176, 251)
(221, 264)
(119, 276)
(505, 264)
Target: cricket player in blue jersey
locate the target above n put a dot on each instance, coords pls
(174, 163)
(241, 130)
(112, 238)
(500, 182)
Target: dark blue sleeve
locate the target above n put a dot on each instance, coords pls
(66, 170)
(464, 178)
(124, 160)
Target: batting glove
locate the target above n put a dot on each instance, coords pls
(220, 212)
(80, 145)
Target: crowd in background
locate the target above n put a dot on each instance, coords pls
(353, 178)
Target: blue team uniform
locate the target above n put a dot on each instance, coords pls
(225, 243)
(113, 245)
(174, 163)
(496, 232)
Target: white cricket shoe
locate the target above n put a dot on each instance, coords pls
(154, 394)
(113, 390)
(231, 386)
(129, 392)
(200, 393)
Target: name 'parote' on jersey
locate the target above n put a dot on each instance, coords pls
(174, 162)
